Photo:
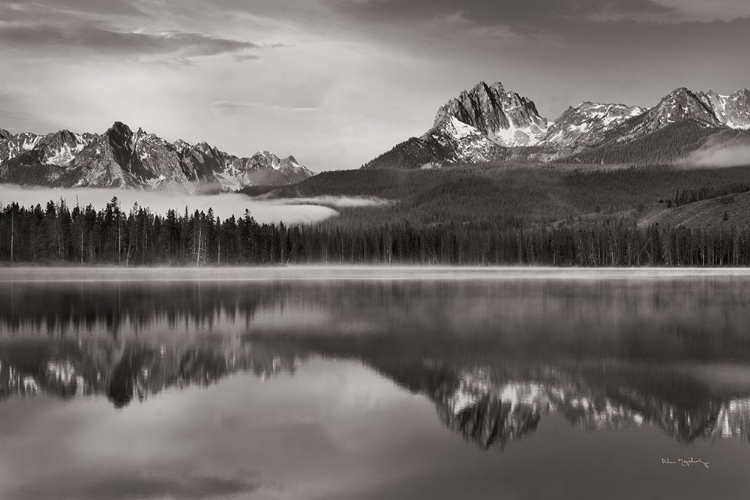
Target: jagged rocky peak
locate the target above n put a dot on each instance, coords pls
(142, 134)
(716, 102)
(120, 130)
(123, 158)
(586, 124)
(181, 145)
(205, 148)
(17, 144)
(61, 148)
(505, 117)
(490, 123)
(737, 109)
(709, 108)
(5, 135)
(266, 159)
(682, 104)
(607, 112)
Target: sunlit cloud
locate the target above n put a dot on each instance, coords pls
(110, 42)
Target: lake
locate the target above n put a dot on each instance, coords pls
(374, 383)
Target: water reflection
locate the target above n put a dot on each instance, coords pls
(495, 358)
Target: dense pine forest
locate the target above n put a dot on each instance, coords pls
(58, 234)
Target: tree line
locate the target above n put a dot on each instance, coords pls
(687, 196)
(665, 145)
(58, 234)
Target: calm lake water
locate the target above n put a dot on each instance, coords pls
(355, 383)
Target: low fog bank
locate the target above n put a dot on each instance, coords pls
(336, 201)
(224, 205)
(719, 155)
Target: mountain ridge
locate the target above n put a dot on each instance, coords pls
(489, 123)
(123, 158)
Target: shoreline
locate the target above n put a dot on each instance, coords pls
(322, 272)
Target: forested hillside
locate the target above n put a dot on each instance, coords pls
(666, 145)
(556, 215)
(513, 194)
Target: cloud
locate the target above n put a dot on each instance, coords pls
(84, 7)
(105, 41)
(246, 57)
(277, 46)
(516, 14)
(233, 108)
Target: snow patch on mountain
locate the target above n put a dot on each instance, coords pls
(587, 123)
(503, 116)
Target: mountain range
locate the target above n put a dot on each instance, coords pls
(485, 124)
(491, 123)
(122, 158)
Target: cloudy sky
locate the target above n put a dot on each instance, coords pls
(336, 82)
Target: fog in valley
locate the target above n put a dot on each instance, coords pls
(719, 155)
(334, 201)
(264, 210)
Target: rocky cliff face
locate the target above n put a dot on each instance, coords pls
(504, 117)
(731, 110)
(125, 159)
(678, 106)
(477, 126)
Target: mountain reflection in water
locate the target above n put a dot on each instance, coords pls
(494, 357)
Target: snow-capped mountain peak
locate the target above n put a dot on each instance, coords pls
(736, 110)
(123, 158)
(682, 104)
(504, 117)
(587, 123)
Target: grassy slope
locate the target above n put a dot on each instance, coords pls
(705, 213)
(532, 194)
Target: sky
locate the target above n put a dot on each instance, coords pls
(337, 82)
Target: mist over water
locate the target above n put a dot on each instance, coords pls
(224, 205)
